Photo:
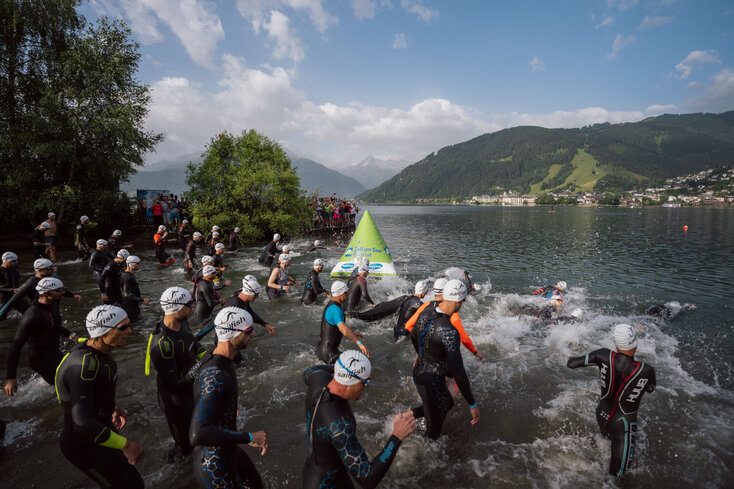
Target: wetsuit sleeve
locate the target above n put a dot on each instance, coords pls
(24, 331)
(363, 285)
(164, 359)
(103, 279)
(203, 432)
(211, 297)
(368, 475)
(255, 316)
(542, 290)
(25, 290)
(595, 358)
(316, 283)
(334, 315)
(411, 322)
(127, 288)
(450, 339)
(465, 340)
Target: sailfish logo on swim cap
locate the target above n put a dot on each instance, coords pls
(102, 319)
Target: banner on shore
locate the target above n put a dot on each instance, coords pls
(367, 242)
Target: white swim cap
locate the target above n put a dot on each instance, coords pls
(364, 265)
(102, 319)
(9, 256)
(116, 232)
(276, 237)
(83, 218)
(101, 242)
(49, 283)
(215, 228)
(454, 290)
(577, 313)
(231, 322)
(286, 248)
(250, 285)
(206, 259)
(215, 234)
(439, 285)
(219, 246)
(51, 214)
(284, 257)
(625, 336)
(352, 367)
(132, 260)
(161, 228)
(561, 285)
(554, 298)
(45, 225)
(316, 243)
(174, 299)
(185, 221)
(318, 263)
(338, 288)
(42, 263)
(123, 253)
(421, 287)
(197, 234)
(208, 270)
(236, 230)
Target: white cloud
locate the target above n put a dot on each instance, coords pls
(696, 59)
(694, 85)
(255, 11)
(536, 64)
(364, 9)
(139, 17)
(620, 42)
(659, 109)
(400, 42)
(622, 5)
(651, 22)
(608, 20)
(426, 14)
(718, 97)
(287, 45)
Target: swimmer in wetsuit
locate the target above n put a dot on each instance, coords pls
(131, 299)
(218, 263)
(86, 381)
(41, 328)
(190, 260)
(206, 298)
(280, 281)
(183, 236)
(405, 306)
(312, 287)
(212, 242)
(334, 452)
(436, 342)
(548, 313)
(218, 461)
(669, 310)
(110, 283)
(333, 327)
(357, 286)
(10, 280)
(623, 383)
(243, 299)
(39, 240)
(173, 350)
(115, 242)
(100, 257)
(270, 251)
(317, 246)
(550, 290)
(233, 242)
(159, 241)
(80, 238)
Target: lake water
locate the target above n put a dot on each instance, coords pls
(537, 427)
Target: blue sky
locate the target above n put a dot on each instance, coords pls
(337, 80)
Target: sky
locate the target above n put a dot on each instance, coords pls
(338, 80)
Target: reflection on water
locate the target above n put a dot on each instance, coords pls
(537, 427)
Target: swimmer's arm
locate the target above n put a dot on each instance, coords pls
(86, 426)
(24, 331)
(212, 299)
(450, 339)
(274, 274)
(365, 294)
(256, 318)
(202, 432)
(465, 340)
(354, 458)
(594, 358)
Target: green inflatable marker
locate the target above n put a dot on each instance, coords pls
(367, 242)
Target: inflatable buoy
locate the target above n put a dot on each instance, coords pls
(685, 228)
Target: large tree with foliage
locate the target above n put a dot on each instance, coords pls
(246, 181)
(72, 112)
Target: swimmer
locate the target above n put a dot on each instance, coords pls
(669, 310)
(550, 290)
(312, 288)
(210, 235)
(242, 299)
(41, 328)
(39, 240)
(173, 350)
(548, 313)
(317, 246)
(334, 452)
(233, 242)
(280, 281)
(159, 241)
(333, 327)
(80, 238)
(405, 306)
(205, 260)
(10, 280)
(110, 284)
(285, 250)
(190, 260)
(115, 242)
(183, 235)
(100, 257)
(50, 236)
(436, 343)
(218, 263)
(270, 251)
(455, 319)
(206, 296)
(218, 461)
(213, 242)
(131, 299)
(85, 386)
(357, 286)
(623, 383)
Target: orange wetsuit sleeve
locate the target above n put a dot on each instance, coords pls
(465, 340)
(411, 322)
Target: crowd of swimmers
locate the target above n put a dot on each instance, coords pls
(198, 389)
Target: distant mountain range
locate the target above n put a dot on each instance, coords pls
(372, 171)
(534, 159)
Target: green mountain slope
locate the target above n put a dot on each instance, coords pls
(594, 157)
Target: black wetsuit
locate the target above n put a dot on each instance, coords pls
(190, 254)
(28, 291)
(41, 327)
(314, 248)
(211, 244)
(218, 461)
(546, 314)
(666, 311)
(312, 288)
(114, 244)
(334, 452)
(269, 253)
(357, 286)
(328, 348)
(80, 240)
(159, 243)
(183, 238)
(85, 383)
(38, 236)
(405, 306)
(235, 301)
(173, 353)
(438, 346)
(206, 300)
(131, 299)
(234, 242)
(623, 383)
(99, 260)
(110, 283)
(548, 291)
(9, 281)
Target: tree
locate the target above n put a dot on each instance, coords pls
(72, 114)
(246, 181)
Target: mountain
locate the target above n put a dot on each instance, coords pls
(599, 157)
(171, 175)
(372, 171)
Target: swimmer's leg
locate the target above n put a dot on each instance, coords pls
(624, 438)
